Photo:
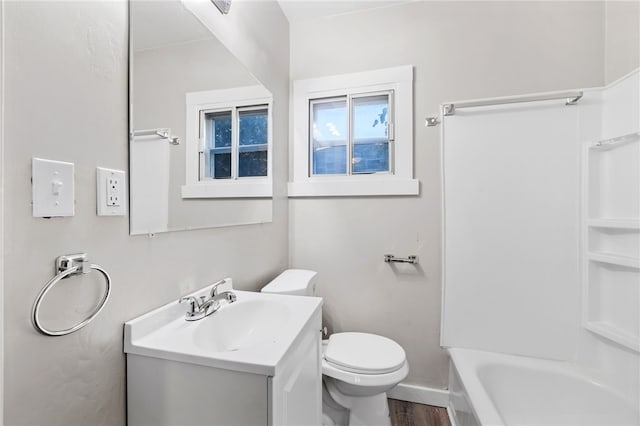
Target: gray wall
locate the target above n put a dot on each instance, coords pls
(460, 50)
(622, 38)
(66, 99)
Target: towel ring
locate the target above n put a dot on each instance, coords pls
(72, 264)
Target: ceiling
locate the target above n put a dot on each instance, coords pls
(301, 10)
(162, 23)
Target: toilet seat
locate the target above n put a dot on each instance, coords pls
(364, 353)
(363, 377)
(368, 380)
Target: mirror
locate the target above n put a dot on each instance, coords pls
(174, 58)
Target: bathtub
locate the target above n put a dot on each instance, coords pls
(493, 389)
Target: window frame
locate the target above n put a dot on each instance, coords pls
(397, 81)
(234, 100)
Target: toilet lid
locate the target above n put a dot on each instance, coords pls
(364, 353)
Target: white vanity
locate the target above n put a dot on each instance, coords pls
(256, 361)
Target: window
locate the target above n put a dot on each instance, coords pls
(229, 153)
(229, 143)
(353, 135)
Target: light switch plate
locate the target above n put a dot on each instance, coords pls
(52, 188)
(111, 192)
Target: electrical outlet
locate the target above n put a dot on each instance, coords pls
(111, 192)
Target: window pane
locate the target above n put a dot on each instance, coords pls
(329, 137)
(252, 163)
(217, 151)
(220, 166)
(253, 141)
(370, 134)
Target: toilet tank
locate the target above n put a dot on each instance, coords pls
(297, 282)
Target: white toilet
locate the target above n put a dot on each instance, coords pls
(357, 368)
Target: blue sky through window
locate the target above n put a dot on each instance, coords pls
(370, 116)
(330, 122)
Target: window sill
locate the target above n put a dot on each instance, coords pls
(230, 189)
(350, 187)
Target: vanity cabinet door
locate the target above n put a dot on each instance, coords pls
(168, 393)
(295, 393)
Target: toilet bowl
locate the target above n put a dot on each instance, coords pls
(357, 368)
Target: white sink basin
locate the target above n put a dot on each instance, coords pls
(253, 334)
(242, 325)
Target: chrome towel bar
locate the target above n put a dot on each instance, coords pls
(161, 133)
(71, 264)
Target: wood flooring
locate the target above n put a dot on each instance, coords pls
(411, 414)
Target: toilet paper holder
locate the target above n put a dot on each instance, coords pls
(413, 259)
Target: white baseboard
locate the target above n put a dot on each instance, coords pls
(420, 394)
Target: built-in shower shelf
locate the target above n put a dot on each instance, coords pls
(613, 259)
(612, 223)
(611, 267)
(614, 333)
(617, 141)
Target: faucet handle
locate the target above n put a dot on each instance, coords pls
(214, 289)
(194, 304)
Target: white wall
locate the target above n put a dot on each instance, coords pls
(460, 50)
(66, 99)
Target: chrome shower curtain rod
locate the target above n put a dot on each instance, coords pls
(571, 98)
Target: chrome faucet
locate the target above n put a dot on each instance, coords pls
(202, 307)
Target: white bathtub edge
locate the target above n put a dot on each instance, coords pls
(420, 395)
(466, 381)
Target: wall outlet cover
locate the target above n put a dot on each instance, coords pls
(111, 192)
